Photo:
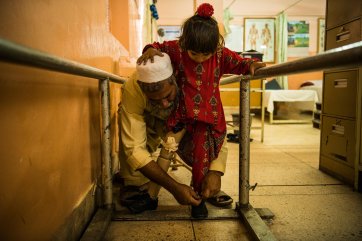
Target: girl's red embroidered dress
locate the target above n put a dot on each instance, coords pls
(199, 106)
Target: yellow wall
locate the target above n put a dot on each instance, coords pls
(175, 12)
(50, 122)
(119, 23)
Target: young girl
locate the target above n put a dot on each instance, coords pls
(199, 59)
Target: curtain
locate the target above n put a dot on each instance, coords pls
(282, 46)
(226, 19)
(136, 8)
(149, 25)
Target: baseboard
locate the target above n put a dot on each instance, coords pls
(77, 222)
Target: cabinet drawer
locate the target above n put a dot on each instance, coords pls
(343, 35)
(337, 169)
(339, 12)
(339, 93)
(360, 149)
(338, 139)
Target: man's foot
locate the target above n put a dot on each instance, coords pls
(200, 211)
(137, 200)
(142, 203)
(221, 199)
(130, 194)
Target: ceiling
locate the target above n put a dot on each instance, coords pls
(256, 8)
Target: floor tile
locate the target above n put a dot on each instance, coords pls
(288, 174)
(301, 190)
(309, 155)
(310, 217)
(150, 231)
(223, 230)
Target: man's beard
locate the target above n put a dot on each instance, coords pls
(164, 113)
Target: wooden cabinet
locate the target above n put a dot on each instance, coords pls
(340, 151)
(230, 94)
(341, 11)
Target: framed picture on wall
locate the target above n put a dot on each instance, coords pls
(321, 33)
(298, 38)
(168, 32)
(259, 35)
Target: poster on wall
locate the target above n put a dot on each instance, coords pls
(168, 32)
(259, 35)
(234, 40)
(298, 38)
(321, 33)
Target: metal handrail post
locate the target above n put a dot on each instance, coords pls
(244, 143)
(106, 144)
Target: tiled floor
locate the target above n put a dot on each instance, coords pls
(308, 204)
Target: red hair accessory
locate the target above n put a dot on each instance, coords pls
(205, 10)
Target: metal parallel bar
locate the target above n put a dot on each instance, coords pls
(106, 145)
(349, 55)
(244, 143)
(248, 214)
(173, 213)
(19, 54)
(257, 227)
(346, 56)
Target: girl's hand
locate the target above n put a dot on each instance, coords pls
(211, 184)
(256, 65)
(148, 54)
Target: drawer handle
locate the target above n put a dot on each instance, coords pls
(337, 129)
(340, 157)
(340, 83)
(343, 35)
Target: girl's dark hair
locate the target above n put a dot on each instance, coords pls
(200, 34)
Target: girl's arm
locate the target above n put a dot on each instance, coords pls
(150, 50)
(232, 63)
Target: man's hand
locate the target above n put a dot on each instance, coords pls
(185, 195)
(256, 65)
(211, 184)
(149, 54)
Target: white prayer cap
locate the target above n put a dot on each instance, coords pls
(160, 69)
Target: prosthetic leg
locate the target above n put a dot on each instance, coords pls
(169, 147)
(149, 200)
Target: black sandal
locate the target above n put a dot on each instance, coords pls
(144, 202)
(129, 194)
(199, 212)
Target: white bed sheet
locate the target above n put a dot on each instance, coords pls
(316, 87)
(290, 96)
